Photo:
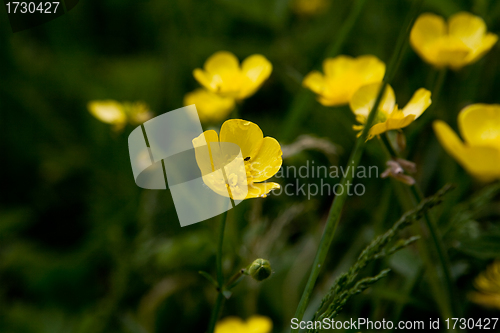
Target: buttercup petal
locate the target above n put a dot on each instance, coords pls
(481, 161)
(315, 82)
(230, 325)
(259, 324)
(418, 103)
(337, 66)
(344, 75)
(486, 44)
(255, 69)
(449, 139)
(221, 74)
(203, 152)
(470, 29)
(222, 62)
(479, 125)
(257, 190)
(109, 111)
(390, 124)
(211, 107)
(427, 30)
(247, 135)
(267, 161)
(364, 98)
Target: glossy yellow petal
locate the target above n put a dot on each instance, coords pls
(247, 135)
(255, 70)
(427, 31)
(418, 103)
(203, 152)
(470, 29)
(450, 52)
(259, 324)
(482, 162)
(221, 74)
(109, 111)
(257, 190)
(364, 98)
(315, 82)
(390, 124)
(486, 44)
(230, 325)
(479, 125)
(489, 301)
(211, 107)
(456, 44)
(267, 161)
(449, 140)
(343, 76)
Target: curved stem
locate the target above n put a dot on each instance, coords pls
(302, 102)
(338, 203)
(444, 297)
(220, 276)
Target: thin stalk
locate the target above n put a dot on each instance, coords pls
(303, 100)
(220, 276)
(448, 305)
(338, 202)
(409, 200)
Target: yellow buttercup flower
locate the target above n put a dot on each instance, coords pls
(118, 114)
(389, 116)
(488, 285)
(211, 107)
(254, 324)
(460, 42)
(259, 160)
(479, 125)
(343, 76)
(223, 75)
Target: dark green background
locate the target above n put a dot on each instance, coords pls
(83, 249)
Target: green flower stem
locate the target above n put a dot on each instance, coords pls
(304, 99)
(220, 276)
(414, 197)
(338, 203)
(446, 301)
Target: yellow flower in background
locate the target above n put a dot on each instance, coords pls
(389, 116)
(460, 42)
(118, 114)
(488, 285)
(261, 160)
(211, 107)
(310, 7)
(223, 75)
(254, 324)
(479, 125)
(343, 76)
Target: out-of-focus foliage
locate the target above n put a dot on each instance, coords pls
(83, 249)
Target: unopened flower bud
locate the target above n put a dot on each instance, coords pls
(260, 269)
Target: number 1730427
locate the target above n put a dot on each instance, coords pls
(32, 7)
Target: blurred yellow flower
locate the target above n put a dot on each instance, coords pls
(310, 7)
(118, 114)
(389, 116)
(479, 125)
(343, 76)
(223, 75)
(211, 107)
(254, 324)
(460, 42)
(261, 160)
(488, 285)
